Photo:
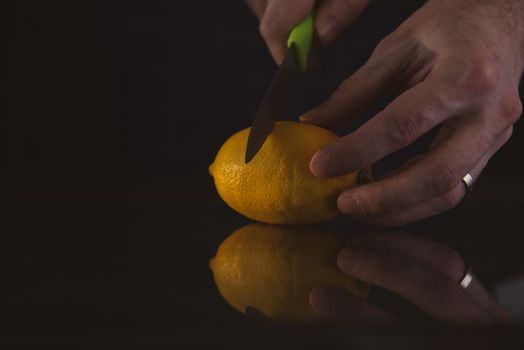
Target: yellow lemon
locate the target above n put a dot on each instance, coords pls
(272, 269)
(277, 186)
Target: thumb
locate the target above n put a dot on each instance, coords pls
(333, 16)
(277, 21)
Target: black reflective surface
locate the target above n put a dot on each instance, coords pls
(115, 268)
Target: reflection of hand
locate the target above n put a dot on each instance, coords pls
(423, 272)
(277, 17)
(459, 64)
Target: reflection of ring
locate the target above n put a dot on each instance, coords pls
(466, 280)
(468, 182)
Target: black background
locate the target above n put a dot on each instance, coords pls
(134, 88)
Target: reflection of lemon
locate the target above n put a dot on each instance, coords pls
(274, 268)
(277, 186)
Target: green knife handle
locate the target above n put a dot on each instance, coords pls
(302, 36)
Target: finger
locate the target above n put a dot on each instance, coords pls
(436, 294)
(369, 83)
(338, 306)
(257, 6)
(443, 202)
(333, 16)
(407, 118)
(440, 258)
(439, 172)
(421, 211)
(417, 158)
(279, 18)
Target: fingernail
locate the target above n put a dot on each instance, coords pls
(347, 260)
(304, 118)
(328, 29)
(347, 204)
(318, 164)
(309, 117)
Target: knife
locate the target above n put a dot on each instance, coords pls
(282, 86)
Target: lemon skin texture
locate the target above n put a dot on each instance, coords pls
(277, 186)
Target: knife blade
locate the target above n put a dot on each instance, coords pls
(274, 103)
(282, 86)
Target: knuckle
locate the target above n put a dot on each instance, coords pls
(346, 9)
(482, 75)
(449, 260)
(404, 130)
(511, 109)
(391, 42)
(265, 27)
(442, 100)
(444, 179)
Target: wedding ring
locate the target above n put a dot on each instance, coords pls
(466, 280)
(468, 182)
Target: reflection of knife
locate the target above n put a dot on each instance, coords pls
(282, 86)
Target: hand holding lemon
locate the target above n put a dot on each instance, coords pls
(277, 186)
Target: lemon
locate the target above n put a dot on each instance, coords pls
(274, 268)
(277, 186)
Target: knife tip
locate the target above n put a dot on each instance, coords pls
(248, 158)
(251, 149)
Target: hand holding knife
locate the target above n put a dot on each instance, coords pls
(284, 83)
